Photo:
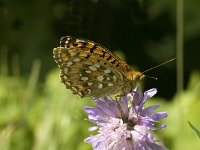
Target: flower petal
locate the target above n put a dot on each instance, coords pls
(147, 95)
(158, 116)
(105, 108)
(137, 96)
(150, 109)
(124, 105)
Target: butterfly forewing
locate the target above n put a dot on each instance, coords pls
(90, 70)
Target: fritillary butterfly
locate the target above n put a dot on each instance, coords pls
(91, 70)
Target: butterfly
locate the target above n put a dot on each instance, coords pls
(91, 70)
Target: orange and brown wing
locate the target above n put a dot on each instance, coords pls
(86, 74)
(91, 70)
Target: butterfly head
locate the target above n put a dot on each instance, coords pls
(135, 78)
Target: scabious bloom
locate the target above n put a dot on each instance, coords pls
(125, 124)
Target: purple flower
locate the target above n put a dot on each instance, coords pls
(124, 124)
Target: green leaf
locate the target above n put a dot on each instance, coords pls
(194, 128)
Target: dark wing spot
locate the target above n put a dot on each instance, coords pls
(93, 48)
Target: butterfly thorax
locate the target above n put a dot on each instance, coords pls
(134, 75)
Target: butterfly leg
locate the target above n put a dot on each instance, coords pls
(121, 111)
(118, 99)
(120, 95)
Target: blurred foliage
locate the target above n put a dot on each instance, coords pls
(183, 107)
(49, 118)
(194, 129)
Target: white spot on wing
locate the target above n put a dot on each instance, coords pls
(108, 78)
(88, 71)
(89, 83)
(73, 88)
(100, 78)
(67, 83)
(65, 70)
(92, 68)
(76, 59)
(97, 65)
(80, 94)
(79, 40)
(69, 63)
(110, 84)
(64, 77)
(84, 78)
(107, 71)
(114, 78)
(100, 86)
(89, 91)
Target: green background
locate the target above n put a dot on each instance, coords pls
(37, 112)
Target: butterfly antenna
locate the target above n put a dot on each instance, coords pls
(151, 77)
(158, 66)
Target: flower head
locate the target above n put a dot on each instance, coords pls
(124, 124)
